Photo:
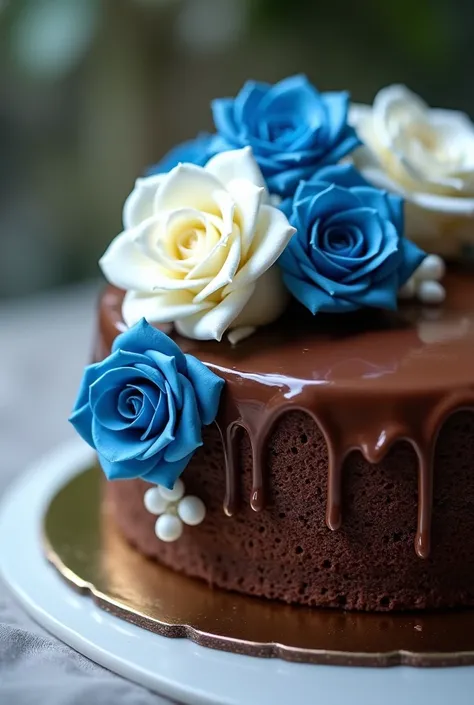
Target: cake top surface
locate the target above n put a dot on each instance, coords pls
(415, 348)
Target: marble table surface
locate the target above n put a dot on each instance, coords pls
(44, 344)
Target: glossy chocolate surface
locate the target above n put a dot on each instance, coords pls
(368, 379)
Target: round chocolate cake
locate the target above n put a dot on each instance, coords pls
(339, 471)
(269, 415)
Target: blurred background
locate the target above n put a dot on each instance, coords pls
(92, 91)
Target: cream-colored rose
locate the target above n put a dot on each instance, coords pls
(427, 156)
(199, 249)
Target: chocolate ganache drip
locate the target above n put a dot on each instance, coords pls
(367, 380)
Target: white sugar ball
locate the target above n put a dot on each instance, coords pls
(408, 290)
(168, 527)
(432, 268)
(191, 510)
(175, 494)
(431, 292)
(154, 501)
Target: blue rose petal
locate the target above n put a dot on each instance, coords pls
(349, 250)
(188, 433)
(144, 406)
(196, 151)
(292, 128)
(206, 388)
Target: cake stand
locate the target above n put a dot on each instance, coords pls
(177, 667)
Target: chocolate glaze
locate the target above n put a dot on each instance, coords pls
(367, 379)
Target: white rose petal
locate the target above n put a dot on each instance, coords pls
(248, 199)
(139, 205)
(187, 186)
(272, 236)
(161, 308)
(236, 164)
(268, 301)
(427, 156)
(236, 335)
(212, 324)
(198, 244)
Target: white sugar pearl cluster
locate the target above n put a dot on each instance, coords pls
(425, 284)
(173, 509)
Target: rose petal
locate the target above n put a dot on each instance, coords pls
(314, 298)
(236, 164)
(246, 104)
(187, 433)
(383, 296)
(159, 420)
(212, 324)
(168, 368)
(117, 447)
(337, 106)
(343, 175)
(207, 388)
(248, 199)
(187, 186)
(164, 473)
(151, 239)
(272, 236)
(139, 204)
(166, 436)
(224, 120)
(226, 274)
(333, 288)
(160, 307)
(125, 266)
(143, 337)
(267, 303)
(128, 469)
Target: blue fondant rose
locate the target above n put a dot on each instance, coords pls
(292, 128)
(349, 250)
(143, 407)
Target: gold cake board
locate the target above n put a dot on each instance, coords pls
(81, 541)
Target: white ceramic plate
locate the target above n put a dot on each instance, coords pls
(177, 667)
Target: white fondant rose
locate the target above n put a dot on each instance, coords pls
(198, 248)
(427, 156)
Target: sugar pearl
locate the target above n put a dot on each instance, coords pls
(154, 501)
(168, 527)
(431, 292)
(175, 494)
(432, 268)
(408, 290)
(191, 510)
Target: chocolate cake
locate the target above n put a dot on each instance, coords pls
(270, 416)
(339, 472)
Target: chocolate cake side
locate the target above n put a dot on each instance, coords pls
(371, 509)
(288, 553)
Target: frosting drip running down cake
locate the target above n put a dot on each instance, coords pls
(269, 415)
(339, 472)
